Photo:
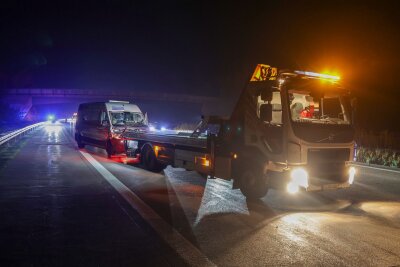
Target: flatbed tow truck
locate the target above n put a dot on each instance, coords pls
(289, 130)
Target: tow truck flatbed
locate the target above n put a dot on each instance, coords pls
(175, 140)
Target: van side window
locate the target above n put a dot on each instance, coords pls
(82, 115)
(92, 116)
(104, 116)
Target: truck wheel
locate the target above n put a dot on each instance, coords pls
(150, 161)
(109, 149)
(253, 183)
(79, 141)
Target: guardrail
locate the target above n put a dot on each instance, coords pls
(10, 136)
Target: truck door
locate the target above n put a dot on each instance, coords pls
(273, 130)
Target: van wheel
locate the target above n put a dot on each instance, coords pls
(253, 182)
(109, 149)
(150, 161)
(79, 141)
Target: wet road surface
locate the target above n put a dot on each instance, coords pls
(57, 210)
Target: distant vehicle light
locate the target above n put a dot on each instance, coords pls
(319, 75)
(163, 129)
(152, 128)
(156, 150)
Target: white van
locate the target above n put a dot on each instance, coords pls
(101, 124)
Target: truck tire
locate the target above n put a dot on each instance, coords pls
(150, 161)
(79, 141)
(253, 182)
(109, 149)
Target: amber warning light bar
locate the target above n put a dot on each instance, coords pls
(318, 75)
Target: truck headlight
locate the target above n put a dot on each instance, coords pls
(352, 173)
(299, 176)
(292, 188)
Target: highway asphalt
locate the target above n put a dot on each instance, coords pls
(59, 210)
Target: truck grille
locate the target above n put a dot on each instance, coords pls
(328, 165)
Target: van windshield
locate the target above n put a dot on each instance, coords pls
(126, 118)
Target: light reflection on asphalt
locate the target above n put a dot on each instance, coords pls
(53, 131)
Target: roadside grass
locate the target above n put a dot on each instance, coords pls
(384, 157)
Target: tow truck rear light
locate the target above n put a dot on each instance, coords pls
(202, 161)
(206, 162)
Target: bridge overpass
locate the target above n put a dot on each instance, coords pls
(24, 99)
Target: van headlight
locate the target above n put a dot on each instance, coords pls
(116, 133)
(132, 144)
(298, 178)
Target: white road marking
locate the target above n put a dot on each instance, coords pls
(189, 253)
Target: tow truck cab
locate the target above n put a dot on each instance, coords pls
(288, 130)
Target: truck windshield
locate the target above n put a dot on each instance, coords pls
(126, 118)
(329, 107)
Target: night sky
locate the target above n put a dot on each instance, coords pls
(203, 48)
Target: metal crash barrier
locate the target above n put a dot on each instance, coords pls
(4, 139)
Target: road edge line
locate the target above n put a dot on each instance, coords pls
(373, 167)
(185, 249)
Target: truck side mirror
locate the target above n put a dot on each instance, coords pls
(266, 94)
(266, 112)
(354, 104)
